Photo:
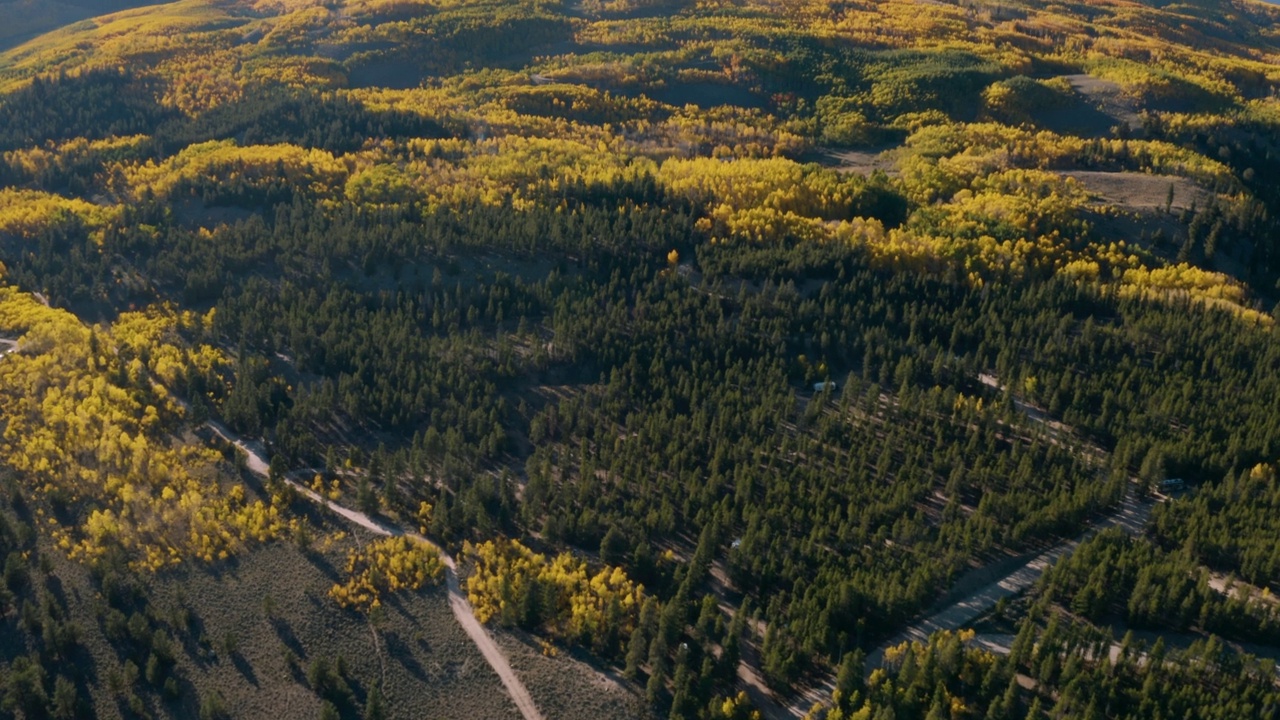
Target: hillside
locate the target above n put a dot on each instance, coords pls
(27, 19)
(721, 347)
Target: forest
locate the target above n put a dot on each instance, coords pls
(719, 342)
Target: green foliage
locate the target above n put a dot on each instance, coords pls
(213, 706)
(1226, 525)
(1019, 98)
(945, 678)
(1149, 588)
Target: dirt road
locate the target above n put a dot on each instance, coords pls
(1131, 516)
(257, 464)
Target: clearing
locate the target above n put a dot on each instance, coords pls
(1140, 190)
(863, 162)
(497, 659)
(1132, 516)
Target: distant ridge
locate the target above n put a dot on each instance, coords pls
(22, 20)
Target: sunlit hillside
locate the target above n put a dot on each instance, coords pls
(26, 19)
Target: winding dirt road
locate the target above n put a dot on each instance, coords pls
(458, 602)
(1131, 516)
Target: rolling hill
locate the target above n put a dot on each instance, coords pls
(27, 19)
(723, 359)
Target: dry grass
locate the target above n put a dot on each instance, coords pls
(258, 621)
(570, 685)
(421, 654)
(1140, 190)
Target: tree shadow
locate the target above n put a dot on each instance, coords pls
(284, 631)
(195, 643)
(245, 668)
(324, 566)
(398, 649)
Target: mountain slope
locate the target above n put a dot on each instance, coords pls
(26, 19)
(719, 342)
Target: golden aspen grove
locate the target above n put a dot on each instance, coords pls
(683, 359)
(386, 566)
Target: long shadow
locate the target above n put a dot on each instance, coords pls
(187, 704)
(1080, 119)
(199, 652)
(284, 631)
(53, 584)
(403, 653)
(324, 566)
(245, 668)
(398, 605)
(85, 672)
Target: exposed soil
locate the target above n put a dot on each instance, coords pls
(257, 620)
(462, 612)
(863, 162)
(1108, 97)
(1099, 107)
(1140, 190)
(572, 685)
(422, 655)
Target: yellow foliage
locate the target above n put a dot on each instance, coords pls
(26, 212)
(223, 162)
(737, 707)
(582, 603)
(775, 183)
(36, 161)
(73, 433)
(424, 516)
(1183, 280)
(386, 566)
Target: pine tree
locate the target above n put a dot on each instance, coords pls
(849, 677)
(374, 708)
(366, 498)
(636, 650)
(657, 669)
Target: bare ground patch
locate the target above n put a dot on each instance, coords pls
(1098, 107)
(419, 652)
(257, 621)
(863, 162)
(1109, 97)
(1140, 190)
(570, 685)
